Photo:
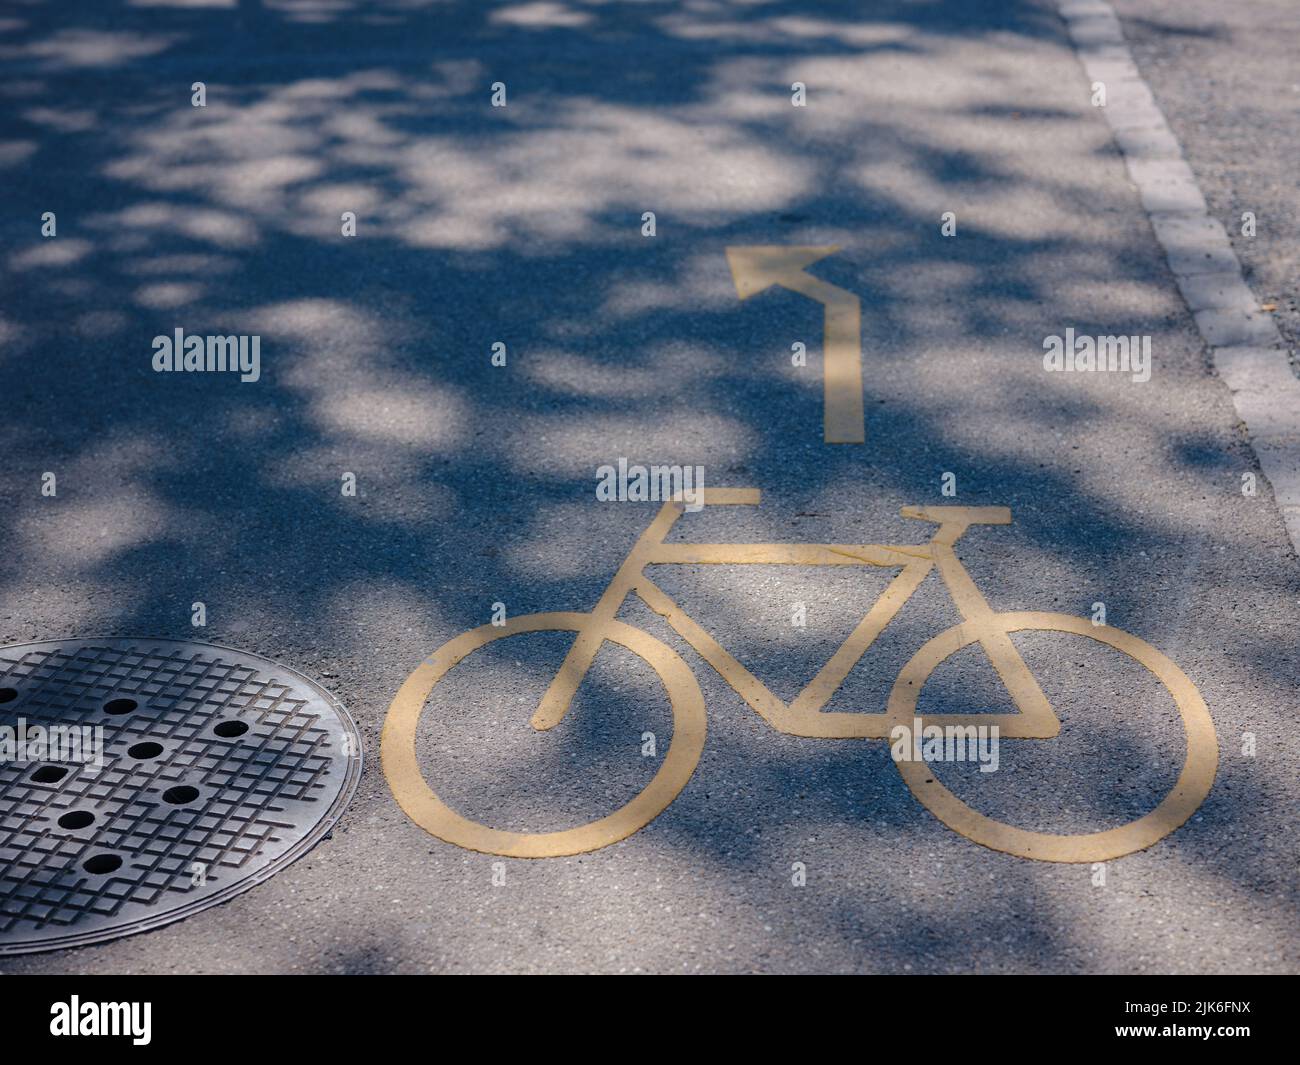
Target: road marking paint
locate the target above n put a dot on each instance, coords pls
(756, 268)
(980, 624)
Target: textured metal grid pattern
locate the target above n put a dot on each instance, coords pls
(256, 800)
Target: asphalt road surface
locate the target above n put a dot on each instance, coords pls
(1227, 79)
(476, 483)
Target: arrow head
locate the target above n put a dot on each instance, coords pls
(756, 267)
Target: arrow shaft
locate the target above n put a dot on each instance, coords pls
(843, 417)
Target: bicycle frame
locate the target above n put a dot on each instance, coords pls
(804, 716)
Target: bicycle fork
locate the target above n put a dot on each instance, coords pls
(1036, 719)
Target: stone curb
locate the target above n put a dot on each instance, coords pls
(1244, 342)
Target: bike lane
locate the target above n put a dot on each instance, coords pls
(954, 157)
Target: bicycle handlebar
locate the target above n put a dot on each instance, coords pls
(960, 515)
(749, 497)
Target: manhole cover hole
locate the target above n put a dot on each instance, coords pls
(144, 780)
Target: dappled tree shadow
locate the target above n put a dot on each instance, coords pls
(522, 225)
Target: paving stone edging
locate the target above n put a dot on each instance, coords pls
(1244, 342)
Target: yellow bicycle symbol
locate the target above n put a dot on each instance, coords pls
(804, 716)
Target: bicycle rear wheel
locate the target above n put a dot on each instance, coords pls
(426, 809)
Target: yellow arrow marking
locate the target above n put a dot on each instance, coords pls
(758, 267)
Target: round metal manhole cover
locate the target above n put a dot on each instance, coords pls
(144, 780)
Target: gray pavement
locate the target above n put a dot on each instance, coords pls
(1227, 79)
(476, 483)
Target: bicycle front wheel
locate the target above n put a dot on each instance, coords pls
(426, 809)
(1189, 791)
